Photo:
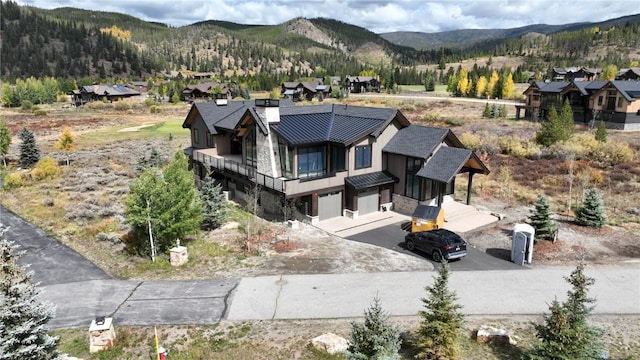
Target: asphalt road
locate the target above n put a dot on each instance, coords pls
(392, 237)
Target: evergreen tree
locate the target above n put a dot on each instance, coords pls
(442, 321)
(565, 333)
(65, 142)
(487, 111)
(601, 132)
(375, 339)
(549, 131)
(29, 152)
(502, 113)
(215, 206)
(591, 213)
(567, 126)
(23, 317)
(5, 141)
(541, 220)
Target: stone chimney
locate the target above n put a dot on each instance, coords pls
(268, 111)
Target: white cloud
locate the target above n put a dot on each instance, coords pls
(376, 15)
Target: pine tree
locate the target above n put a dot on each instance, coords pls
(566, 333)
(541, 220)
(591, 213)
(601, 132)
(5, 141)
(503, 111)
(442, 321)
(567, 125)
(215, 206)
(487, 111)
(549, 131)
(23, 317)
(66, 142)
(29, 152)
(377, 338)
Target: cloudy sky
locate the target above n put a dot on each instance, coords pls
(378, 16)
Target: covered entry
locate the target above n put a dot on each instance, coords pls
(329, 205)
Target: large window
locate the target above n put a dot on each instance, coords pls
(250, 149)
(210, 142)
(286, 159)
(363, 156)
(620, 101)
(196, 136)
(337, 158)
(412, 182)
(311, 162)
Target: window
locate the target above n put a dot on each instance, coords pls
(337, 158)
(286, 158)
(196, 136)
(620, 101)
(311, 162)
(363, 156)
(600, 98)
(250, 149)
(412, 182)
(210, 142)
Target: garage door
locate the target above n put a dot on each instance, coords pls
(367, 201)
(329, 206)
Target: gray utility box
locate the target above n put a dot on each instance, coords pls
(522, 244)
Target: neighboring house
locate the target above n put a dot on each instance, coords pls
(616, 102)
(361, 84)
(206, 91)
(304, 90)
(327, 160)
(141, 86)
(96, 92)
(628, 74)
(575, 73)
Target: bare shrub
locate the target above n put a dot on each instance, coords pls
(612, 153)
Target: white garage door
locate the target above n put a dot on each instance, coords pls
(367, 202)
(329, 206)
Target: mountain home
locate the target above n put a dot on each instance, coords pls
(616, 102)
(304, 90)
(108, 92)
(327, 160)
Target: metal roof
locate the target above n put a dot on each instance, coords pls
(445, 164)
(377, 178)
(416, 141)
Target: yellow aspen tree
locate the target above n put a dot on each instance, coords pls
(508, 87)
(463, 82)
(609, 72)
(493, 81)
(66, 142)
(481, 86)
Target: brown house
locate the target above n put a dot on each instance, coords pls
(361, 84)
(325, 160)
(206, 91)
(96, 92)
(304, 90)
(628, 74)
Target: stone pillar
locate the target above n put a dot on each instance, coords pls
(102, 335)
(179, 255)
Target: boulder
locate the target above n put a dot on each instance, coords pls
(489, 334)
(331, 343)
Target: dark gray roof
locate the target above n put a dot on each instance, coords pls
(331, 123)
(416, 141)
(445, 164)
(628, 89)
(553, 86)
(377, 178)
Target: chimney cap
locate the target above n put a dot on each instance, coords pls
(268, 102)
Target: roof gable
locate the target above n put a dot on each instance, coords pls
(416, 141)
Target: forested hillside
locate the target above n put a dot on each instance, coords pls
(87, 46)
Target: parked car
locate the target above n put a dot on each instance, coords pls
(439, 243)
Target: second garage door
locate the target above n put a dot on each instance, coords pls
(368, 201)
(329, 206)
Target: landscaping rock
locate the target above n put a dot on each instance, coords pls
(488, 334)
(331, 343)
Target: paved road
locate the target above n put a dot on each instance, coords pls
(86, 293)
(392, 237)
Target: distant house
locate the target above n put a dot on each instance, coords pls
(141, 86)
(304, 90)
(575, 73)
(616, 102)
(361, 84)
(628, 74)
(326, 160)
(206, 91)
(109, 92)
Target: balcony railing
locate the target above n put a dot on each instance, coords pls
(250, 172)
